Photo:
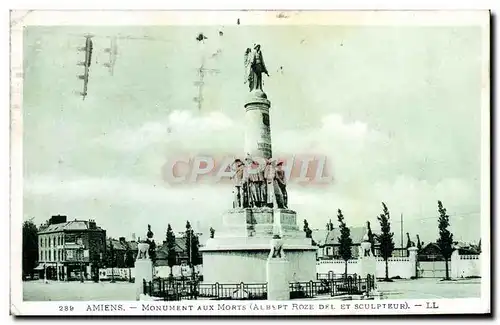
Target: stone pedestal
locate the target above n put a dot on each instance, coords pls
(240, 249)
(367, 266)
(143, 269)
(278, 281)
(412, 251)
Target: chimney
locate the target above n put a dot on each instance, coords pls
(121, 239)
(57, 219)
(92, 224)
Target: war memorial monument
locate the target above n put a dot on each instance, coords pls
(260, 214)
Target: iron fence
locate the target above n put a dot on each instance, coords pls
(350, 285)
(171, 289)
(168, 289)
(332, 276)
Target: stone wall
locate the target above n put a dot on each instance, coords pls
(462, 266)
(403, 267)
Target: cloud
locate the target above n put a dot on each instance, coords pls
(180, 130)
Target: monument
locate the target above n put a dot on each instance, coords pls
(239, 251)
(143, 263)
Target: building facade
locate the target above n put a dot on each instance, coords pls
(123, 253)
(70, 250)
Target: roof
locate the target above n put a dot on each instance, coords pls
(319, 236)
(332, 236)
(118, 245)
(180, 247)
(67, 226)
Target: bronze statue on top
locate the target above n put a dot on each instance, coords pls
(254, 68)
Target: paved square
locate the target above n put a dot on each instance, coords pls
(399, 289)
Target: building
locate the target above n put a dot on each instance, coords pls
(125, 252)
(70, 250)
(180, 249)
(328, 244)
(432, 252)
(328, 248)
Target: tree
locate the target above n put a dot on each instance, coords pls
(112, 260)
(419, 244)
(171, 254)
(329, 225)
(371, 237)
(385, 239)
(30, 248)
(345, 241)
(196, 260)
(129, 260)
(445, 240)
(189, 233)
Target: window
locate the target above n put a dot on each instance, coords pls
(41, 242)
(41, 256)
(45, 241)
(50, 256)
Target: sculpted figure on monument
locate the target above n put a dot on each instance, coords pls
(256, 184)
(274, 193)
(270, 175)
(142, 253)
(281, 182)
(238, 169)
(254, 67)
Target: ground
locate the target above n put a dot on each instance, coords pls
(399, 289)
(430, 288)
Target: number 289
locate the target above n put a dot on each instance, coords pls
(66, 308)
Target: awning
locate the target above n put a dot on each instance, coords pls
(39, 267)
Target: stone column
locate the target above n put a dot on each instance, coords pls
(143, 268)
(412, 251)
(454, 262)
(278, 283)
(257, 125)
(89, 271)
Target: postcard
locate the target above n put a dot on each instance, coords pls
(250, 163)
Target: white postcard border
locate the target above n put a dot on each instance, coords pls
(446, 306)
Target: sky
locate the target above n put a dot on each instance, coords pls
(395, 109)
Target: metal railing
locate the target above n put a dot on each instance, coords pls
(171, 289)
(350, 285)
